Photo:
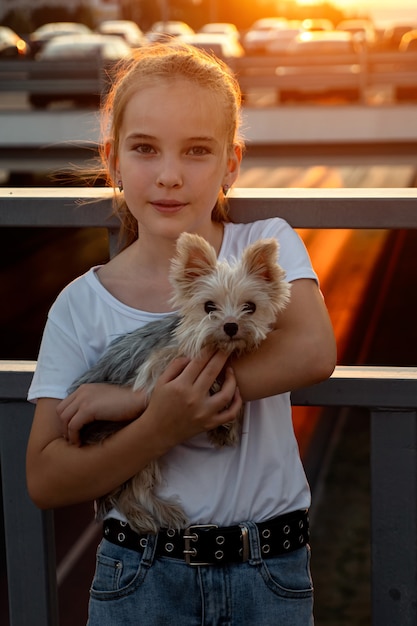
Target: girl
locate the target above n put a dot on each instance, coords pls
(172, 147)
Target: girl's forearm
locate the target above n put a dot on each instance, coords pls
(284, 363)
(63, 473)
(301, 351)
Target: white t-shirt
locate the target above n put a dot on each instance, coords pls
(260, 478)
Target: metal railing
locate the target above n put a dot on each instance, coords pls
(389, 393)
(353, 73)
(356, 71)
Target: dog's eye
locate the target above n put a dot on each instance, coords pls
(249, 307)
(210, 306)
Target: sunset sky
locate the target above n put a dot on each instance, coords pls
(382, 10)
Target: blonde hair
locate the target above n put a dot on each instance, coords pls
(166, 61)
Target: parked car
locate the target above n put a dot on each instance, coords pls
(11, 45)
(48, 31)
(222, 46)
(363, 30)
(408, 46)
(166, 29)
(318, 78)
(314, 24)
(284, 37)
(107, 50)
(319, 43)
(126, 29)
(393, 34)
(220, 28)
(408, 41)
(262, 33)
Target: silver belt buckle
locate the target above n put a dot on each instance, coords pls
(188, 537)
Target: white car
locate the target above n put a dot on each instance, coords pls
(78, 51)
(170, 28)
(316, 77)
(126, 29)
(262, 33)
(222, 46)
(220, 28)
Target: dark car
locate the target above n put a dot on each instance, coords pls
(11, 45)
(48, 31)
(87, 58)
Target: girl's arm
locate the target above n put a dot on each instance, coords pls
(59, 473)
(300, 351)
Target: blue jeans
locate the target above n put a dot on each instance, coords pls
(136, 589)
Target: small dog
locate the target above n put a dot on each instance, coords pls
(230, 307)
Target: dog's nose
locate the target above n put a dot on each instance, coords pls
(231, 328)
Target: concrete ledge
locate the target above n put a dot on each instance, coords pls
(261, 126)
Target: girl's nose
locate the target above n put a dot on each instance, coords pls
(169, 175)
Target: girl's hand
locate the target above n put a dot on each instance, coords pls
(98, 401)
(181, 401)
(180, 406)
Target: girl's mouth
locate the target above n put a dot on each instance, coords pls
(167, 205)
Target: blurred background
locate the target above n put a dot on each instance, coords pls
(330, 101)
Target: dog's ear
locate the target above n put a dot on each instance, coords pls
(195, 257)
(261, 258)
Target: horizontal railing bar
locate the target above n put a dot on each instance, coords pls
(390, 393)
(302, 208)
(375, 67)
(370, 387)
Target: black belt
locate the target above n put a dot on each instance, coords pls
(209, 544)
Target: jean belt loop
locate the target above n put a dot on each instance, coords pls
(148, 543)
(254, 543)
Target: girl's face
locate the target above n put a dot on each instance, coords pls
(173, 159)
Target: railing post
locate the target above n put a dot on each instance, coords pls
(394, 517)
(29, 533)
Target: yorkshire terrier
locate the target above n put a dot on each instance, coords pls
(226, 306)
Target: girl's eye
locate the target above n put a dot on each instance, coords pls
(249, 307)
(198, 151)
(209, 307)
(144, 148)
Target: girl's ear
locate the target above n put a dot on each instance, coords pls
(233, 165)
(112, 161)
